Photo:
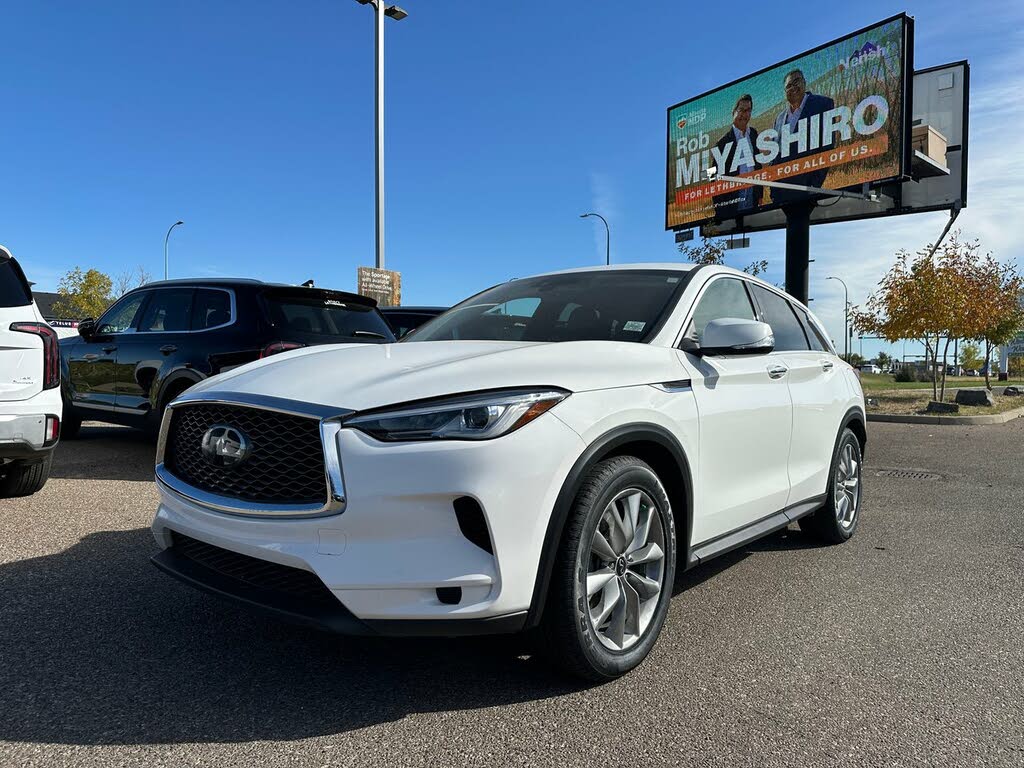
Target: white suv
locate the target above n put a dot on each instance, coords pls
(30, 402)
(543, 456)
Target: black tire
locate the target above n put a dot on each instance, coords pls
(825, 525)
(173, 391)
(568, 635)
(24, 479)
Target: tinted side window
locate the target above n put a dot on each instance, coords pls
(13, 290)
(778, 313)
(818, 342)
(170, 309)
(210, 308)
(725, 297)
(121, 316)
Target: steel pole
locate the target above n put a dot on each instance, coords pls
(379, 8)
(167, 237)
(607, 236)
(846, 316)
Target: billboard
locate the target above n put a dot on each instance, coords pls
(834, 117)
(382, 285)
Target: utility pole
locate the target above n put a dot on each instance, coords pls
(846, 316)
(607, 236)
(397, 14)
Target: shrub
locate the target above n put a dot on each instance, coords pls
(906, 374)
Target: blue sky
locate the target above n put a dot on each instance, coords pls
(253, 122)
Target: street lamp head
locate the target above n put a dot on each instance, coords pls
(395, 12)
(178, 222)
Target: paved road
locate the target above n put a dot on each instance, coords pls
(903, 647)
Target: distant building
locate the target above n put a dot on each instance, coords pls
(45, 302)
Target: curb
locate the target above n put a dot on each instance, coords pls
(995, 418)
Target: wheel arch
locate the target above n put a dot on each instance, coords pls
(650, 443)
(174, 384)
(855, 420)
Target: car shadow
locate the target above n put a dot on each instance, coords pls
(101, 648)
(105, 452)
(783, 540)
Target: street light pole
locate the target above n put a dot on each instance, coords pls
(397, 14)
(607, 236)
(846, 316)
(166, 238)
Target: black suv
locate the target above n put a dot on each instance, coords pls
(158, 340)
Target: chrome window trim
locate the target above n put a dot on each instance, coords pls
(330, 427)
(692, 309)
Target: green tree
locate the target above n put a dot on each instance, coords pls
(884, 360)
(713, 252)
(83, 294)
(970, 356)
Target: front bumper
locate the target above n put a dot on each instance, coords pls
(399, 540)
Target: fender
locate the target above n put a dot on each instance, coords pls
(180, 375)
(602, 447)
(856, 413)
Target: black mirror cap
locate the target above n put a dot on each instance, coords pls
(86, 327)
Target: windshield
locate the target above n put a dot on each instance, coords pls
(617, 305)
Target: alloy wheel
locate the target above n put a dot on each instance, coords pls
(847, 487)
(626, 569)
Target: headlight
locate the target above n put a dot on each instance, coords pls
(466, 417)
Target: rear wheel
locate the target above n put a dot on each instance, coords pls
(614, 572)
(836, 521)
(70, 424)
(23, 479)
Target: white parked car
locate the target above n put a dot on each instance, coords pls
(30, 402)
(544, 456)
(870, 368)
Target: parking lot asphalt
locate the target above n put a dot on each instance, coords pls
(904, 646)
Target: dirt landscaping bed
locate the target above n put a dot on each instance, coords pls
(914, 402)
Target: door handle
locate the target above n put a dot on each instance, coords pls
(168, 349)
(826, 365)
(108, 350)
(777, 371)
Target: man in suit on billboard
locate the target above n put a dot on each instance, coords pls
(801, 104)
(737, 202)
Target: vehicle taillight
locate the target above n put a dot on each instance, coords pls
(52, 430)
(51, 350)
(279, 346)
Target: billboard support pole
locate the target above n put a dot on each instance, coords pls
(798, 249)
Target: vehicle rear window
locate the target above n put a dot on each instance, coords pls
(14, 292)
(325, 317)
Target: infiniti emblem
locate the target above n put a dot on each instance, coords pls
(225, 446)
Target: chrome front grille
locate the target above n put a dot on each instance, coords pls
(285, 465)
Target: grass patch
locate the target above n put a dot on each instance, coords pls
(914, 403)
(879, 382)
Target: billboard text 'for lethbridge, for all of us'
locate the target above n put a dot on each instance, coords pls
(832, 118)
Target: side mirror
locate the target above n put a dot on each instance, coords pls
(87, 328)
(733, 336)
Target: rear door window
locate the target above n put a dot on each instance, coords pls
(169, 310)
(211, 308)
(14, 290)
(779, 314)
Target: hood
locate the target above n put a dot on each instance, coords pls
(361, 376)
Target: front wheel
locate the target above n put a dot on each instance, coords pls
(613, 576)
(836, 521)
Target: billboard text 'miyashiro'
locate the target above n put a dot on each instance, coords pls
(831, 118)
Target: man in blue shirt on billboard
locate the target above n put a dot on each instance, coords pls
(801, 104)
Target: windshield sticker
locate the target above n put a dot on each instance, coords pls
(672, 280)
(634, 325)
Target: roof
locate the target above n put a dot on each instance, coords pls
(228, 282)
(669, 265)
